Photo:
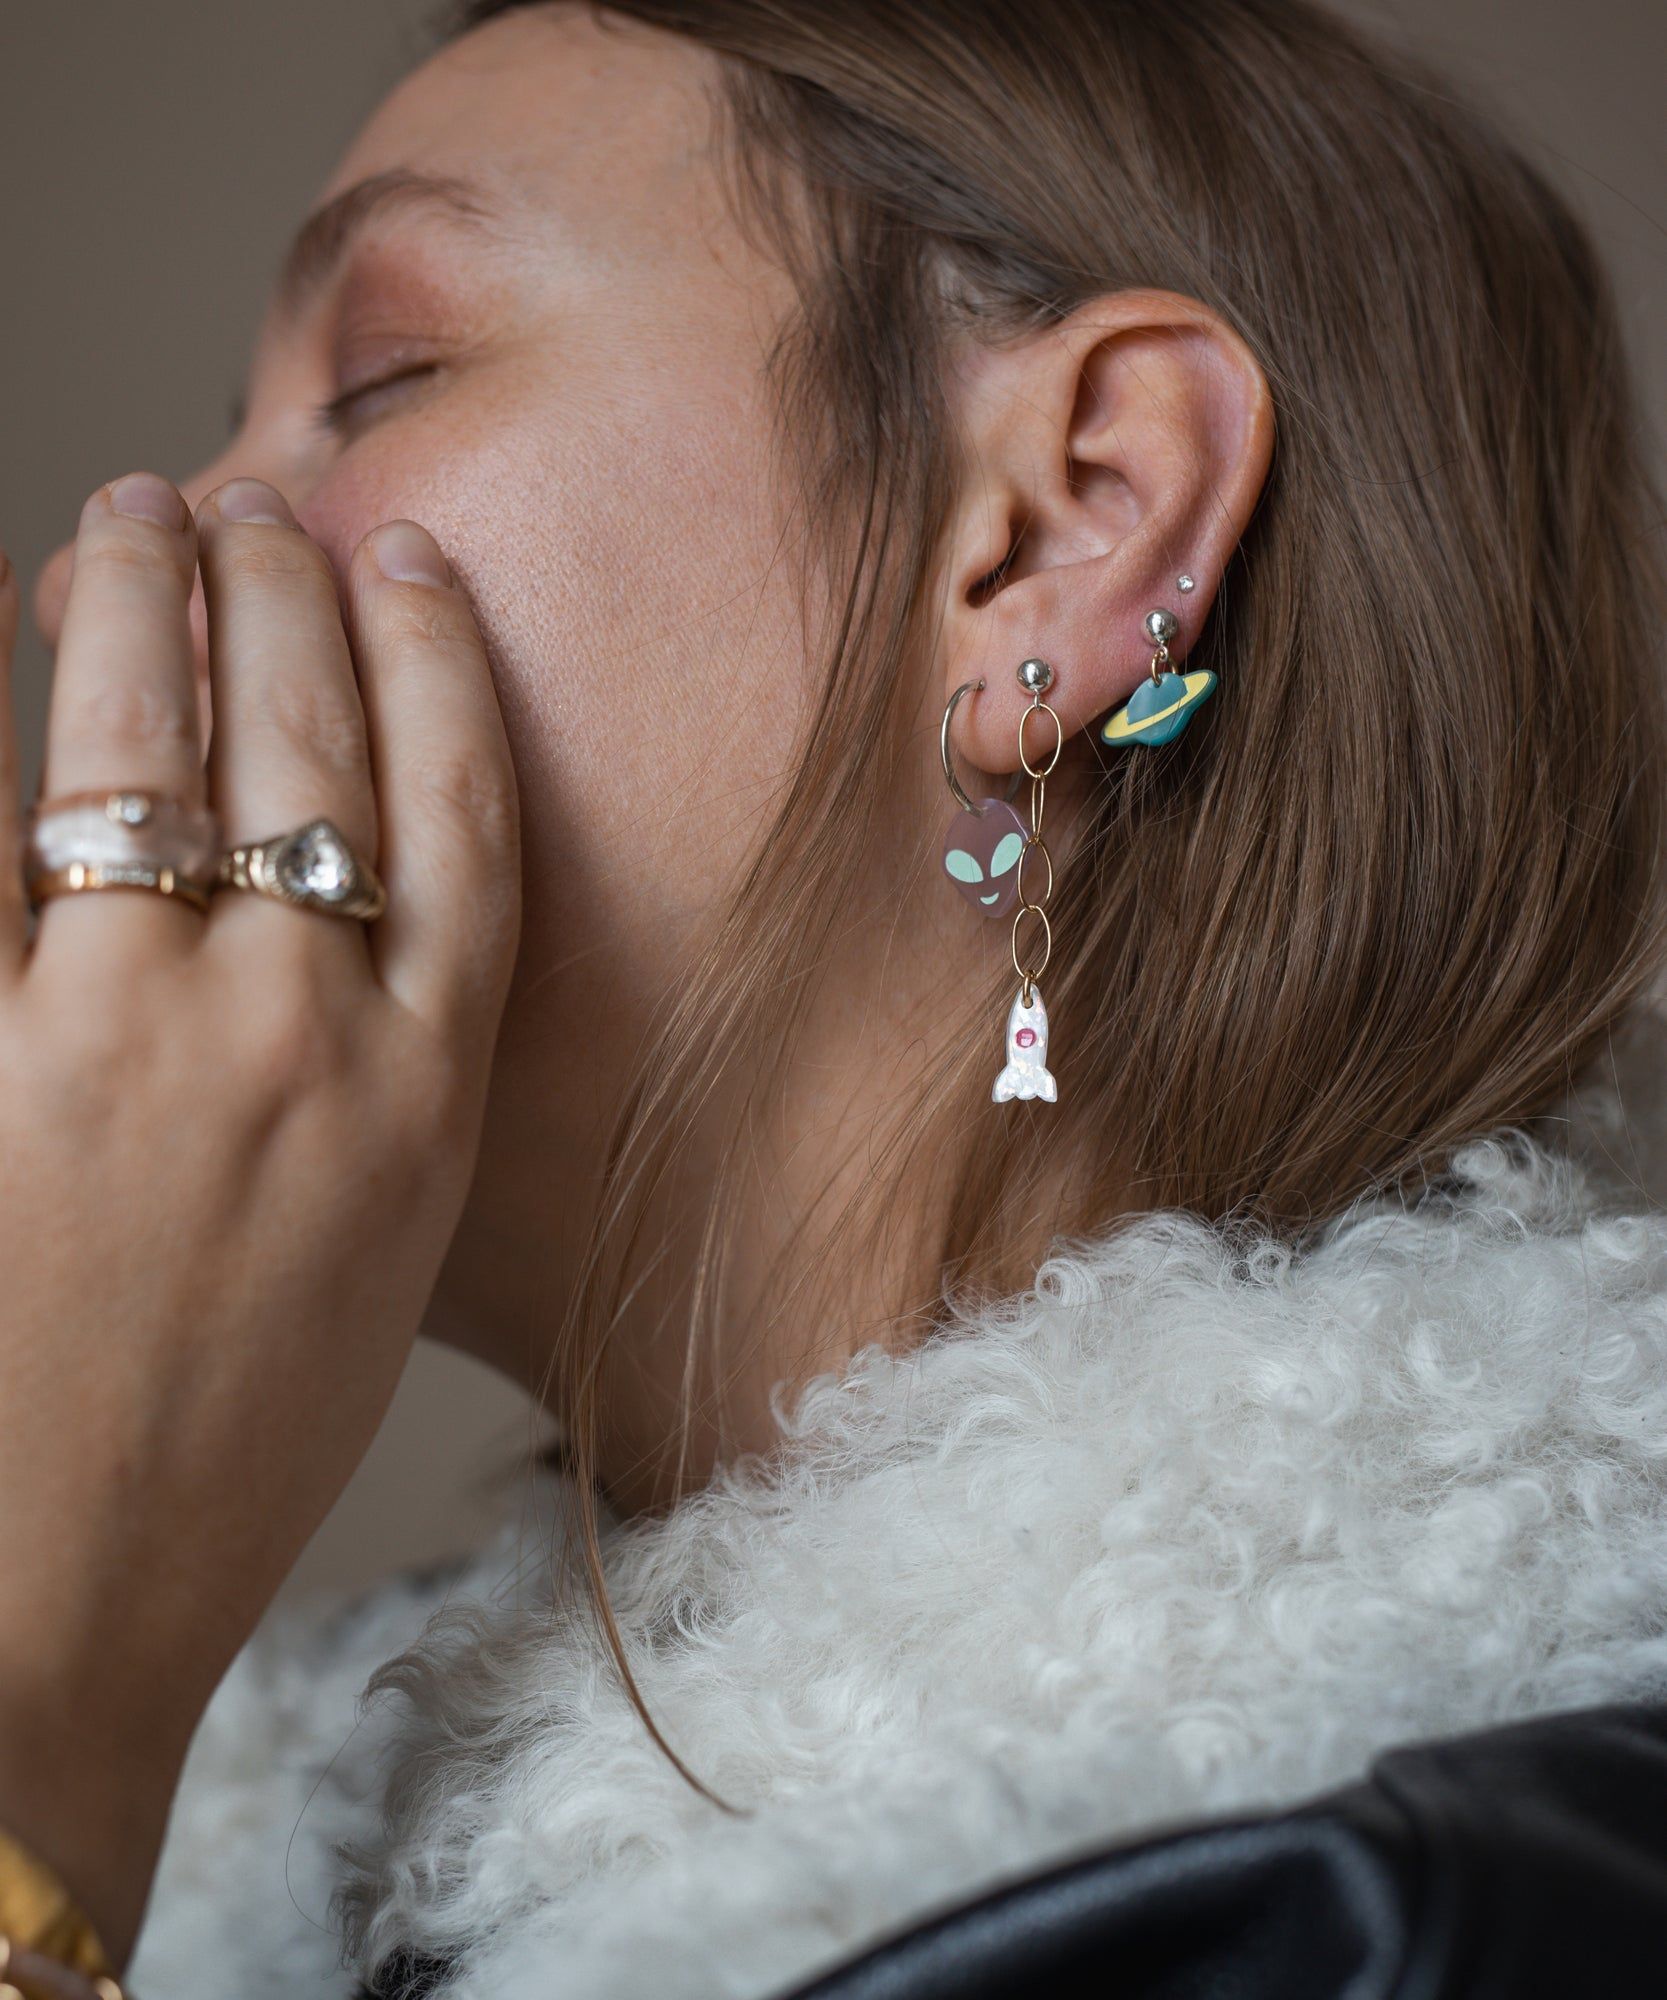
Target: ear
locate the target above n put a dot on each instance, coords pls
(1106, 456)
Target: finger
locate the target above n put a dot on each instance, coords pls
(123, 712)
(289, 742)
(14, 926)
(445, 786)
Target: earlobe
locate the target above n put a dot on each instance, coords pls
(1107, 455)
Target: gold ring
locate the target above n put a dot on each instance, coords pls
(76, 876)
(129, 839)
(312, 867)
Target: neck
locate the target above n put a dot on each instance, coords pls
(817, 1251)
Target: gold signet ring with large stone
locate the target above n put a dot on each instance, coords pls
(312, 867)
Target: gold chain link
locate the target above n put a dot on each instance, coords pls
(1038, 774)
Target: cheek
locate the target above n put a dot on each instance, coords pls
(645, 637)
(365, 489)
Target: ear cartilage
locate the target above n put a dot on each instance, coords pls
(1164, 703)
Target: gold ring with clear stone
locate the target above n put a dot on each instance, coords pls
(312, 867)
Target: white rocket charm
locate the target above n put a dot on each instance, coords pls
(1027, 1073)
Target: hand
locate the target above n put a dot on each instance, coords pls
(233, 1146)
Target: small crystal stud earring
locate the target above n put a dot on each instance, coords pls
(1186, 584)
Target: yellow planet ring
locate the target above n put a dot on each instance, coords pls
(1114, 733)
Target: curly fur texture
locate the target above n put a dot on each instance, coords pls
(1189, 1528)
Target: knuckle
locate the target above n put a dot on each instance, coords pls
(135, 714)
(266, 557)
(297, 1044)
(470, 791)
(427, 621)
(95, 1045)
(316, 724)
(134, 555)
(90, 1061)
(439, 1106)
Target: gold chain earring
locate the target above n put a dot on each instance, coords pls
(1026, 1072)
(986, 849)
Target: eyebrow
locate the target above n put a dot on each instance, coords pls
(323, 239)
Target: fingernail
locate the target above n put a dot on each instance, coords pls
(406, 553)
(252, 500)
(144, 497)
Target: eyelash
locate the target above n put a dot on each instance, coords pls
(335, 416)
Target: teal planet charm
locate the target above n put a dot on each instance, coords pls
(1160, 709)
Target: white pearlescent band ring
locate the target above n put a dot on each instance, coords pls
(127, 839)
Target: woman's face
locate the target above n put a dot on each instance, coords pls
(526, 316)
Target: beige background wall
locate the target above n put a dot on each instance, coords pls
(154, 155)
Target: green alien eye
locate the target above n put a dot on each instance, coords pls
(962, 865)
(1008, 849)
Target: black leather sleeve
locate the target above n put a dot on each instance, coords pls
(1524, 1862)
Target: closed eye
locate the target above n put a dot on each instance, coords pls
(353, 410)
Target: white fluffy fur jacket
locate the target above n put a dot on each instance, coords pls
(1170, 1535)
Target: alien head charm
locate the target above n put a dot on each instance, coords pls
(981, 853)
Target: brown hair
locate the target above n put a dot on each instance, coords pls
(1402, 876)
